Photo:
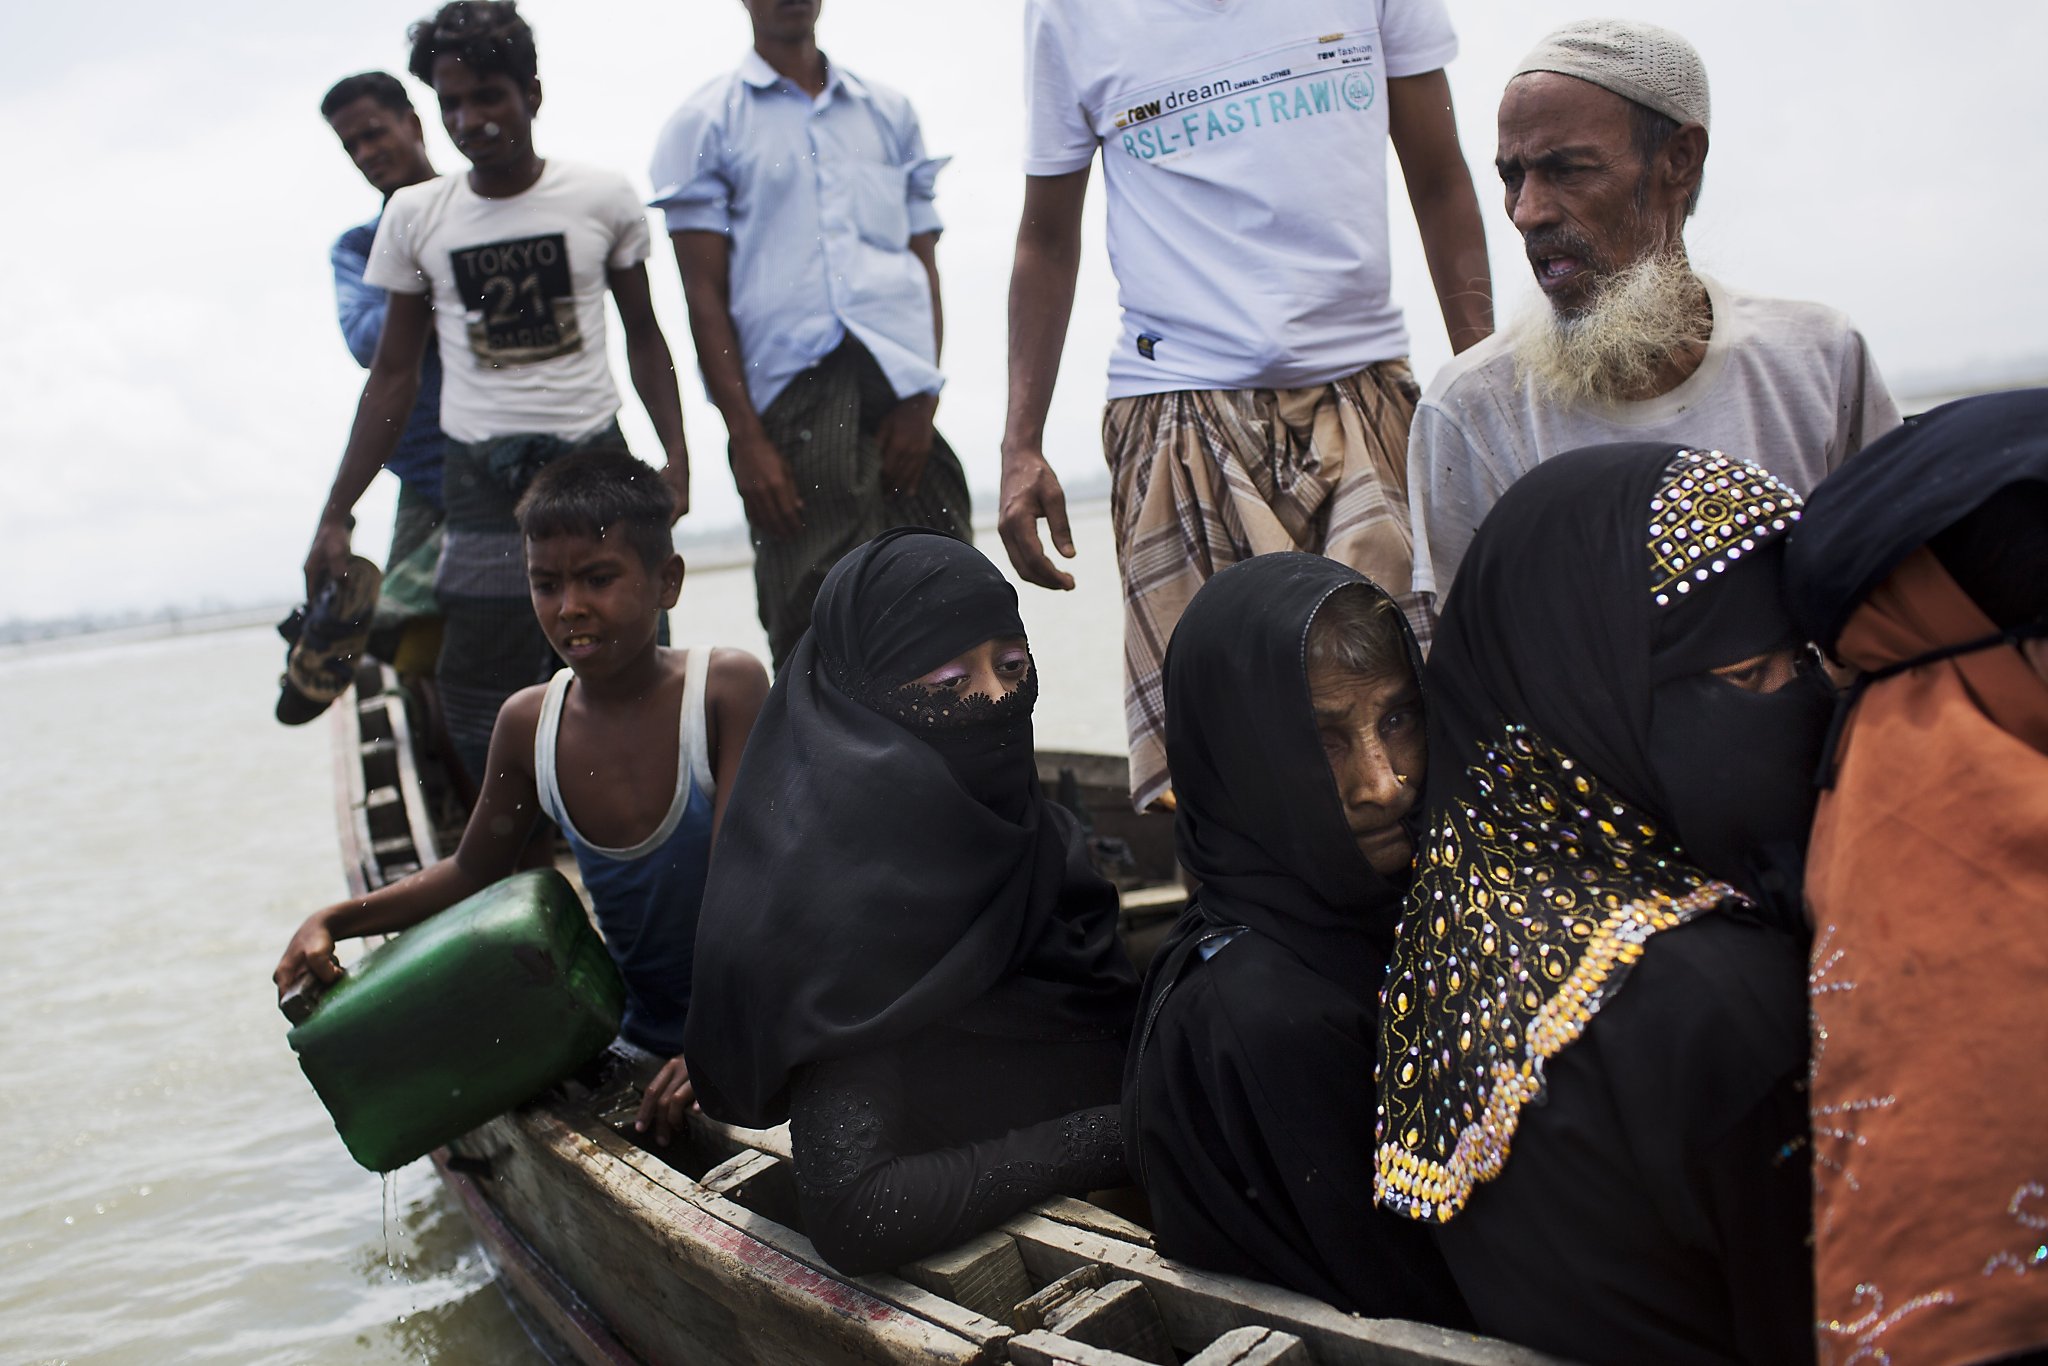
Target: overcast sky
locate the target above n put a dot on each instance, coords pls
(176, 392)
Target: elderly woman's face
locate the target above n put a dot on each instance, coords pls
(1373, 738)
(993, 669)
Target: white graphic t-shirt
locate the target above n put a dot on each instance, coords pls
(1244, 143)
(518, 288)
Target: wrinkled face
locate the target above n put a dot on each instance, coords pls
(1568, 163)
(488, 118)
(597, 600)
(783, 20)
(387, 145)
(1373, 738)
(993, 669)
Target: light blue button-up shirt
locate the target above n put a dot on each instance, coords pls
(820, 198)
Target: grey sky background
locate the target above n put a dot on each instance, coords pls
(176, 392)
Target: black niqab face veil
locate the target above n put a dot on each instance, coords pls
(1588, 787)
(1260, 824)
(887, 862)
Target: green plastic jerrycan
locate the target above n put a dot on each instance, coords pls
(461, 1018)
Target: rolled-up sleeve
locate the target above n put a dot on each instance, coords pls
(921, 176)
(691, 185)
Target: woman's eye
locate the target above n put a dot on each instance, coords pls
(1014, 667)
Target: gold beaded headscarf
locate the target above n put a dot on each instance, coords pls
(1547, 860)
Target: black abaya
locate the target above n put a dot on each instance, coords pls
(895, 921)
(1249, 1104)
(1594, 1028)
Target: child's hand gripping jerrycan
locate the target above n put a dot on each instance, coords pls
(459, 1019)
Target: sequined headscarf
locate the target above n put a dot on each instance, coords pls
(1597, 589)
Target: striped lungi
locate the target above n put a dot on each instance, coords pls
(1203, 478)
(491, 643)
(824, 423)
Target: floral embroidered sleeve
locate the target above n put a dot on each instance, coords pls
(869, 1206)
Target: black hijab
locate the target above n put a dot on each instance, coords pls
(1906, 489)
(1588, 786)
(1245, 1114)
(887, 861)
(1259, 822)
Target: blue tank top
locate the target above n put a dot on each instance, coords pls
(645, 898)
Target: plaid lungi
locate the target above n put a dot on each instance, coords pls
(1203, 478)
(824, 424)
(491, 643)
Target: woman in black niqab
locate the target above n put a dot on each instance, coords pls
(1248, 1103)
(903, 949)
(1593, 1034)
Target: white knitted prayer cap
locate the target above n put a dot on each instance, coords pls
(1641, 62)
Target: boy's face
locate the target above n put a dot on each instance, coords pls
(488, 118)
(598, 602)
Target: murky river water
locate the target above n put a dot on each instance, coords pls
(170, 1189)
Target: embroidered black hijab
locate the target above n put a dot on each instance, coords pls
(887, 861)
(1588, 785)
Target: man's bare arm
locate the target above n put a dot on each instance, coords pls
(653, 368)
(1041, 301)
(1425, 136)
(381, 415)
(925, 247)
(766, 483)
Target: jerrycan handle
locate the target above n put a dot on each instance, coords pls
(301, 998)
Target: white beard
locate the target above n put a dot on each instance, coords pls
(1611, 351)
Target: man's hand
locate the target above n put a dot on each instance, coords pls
(676, 472)
(311, 951)
(668, 1101)
(1030, 491)
(328, 558)
(767, 486)
(905, 439)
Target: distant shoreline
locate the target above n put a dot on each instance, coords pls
(726, 546)
(710, 550)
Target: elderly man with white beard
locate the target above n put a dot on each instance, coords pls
(1603, 142)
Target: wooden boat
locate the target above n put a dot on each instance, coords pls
(618, 1251)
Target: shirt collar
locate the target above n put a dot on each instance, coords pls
(755, 71)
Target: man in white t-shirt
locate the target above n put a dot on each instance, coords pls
(1259, 393)
(508, 266)
(1603, 143)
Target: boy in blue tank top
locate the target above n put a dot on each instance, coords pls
(631, 749)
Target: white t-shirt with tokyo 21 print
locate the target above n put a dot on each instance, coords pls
(1244, 143)
(518, 288)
